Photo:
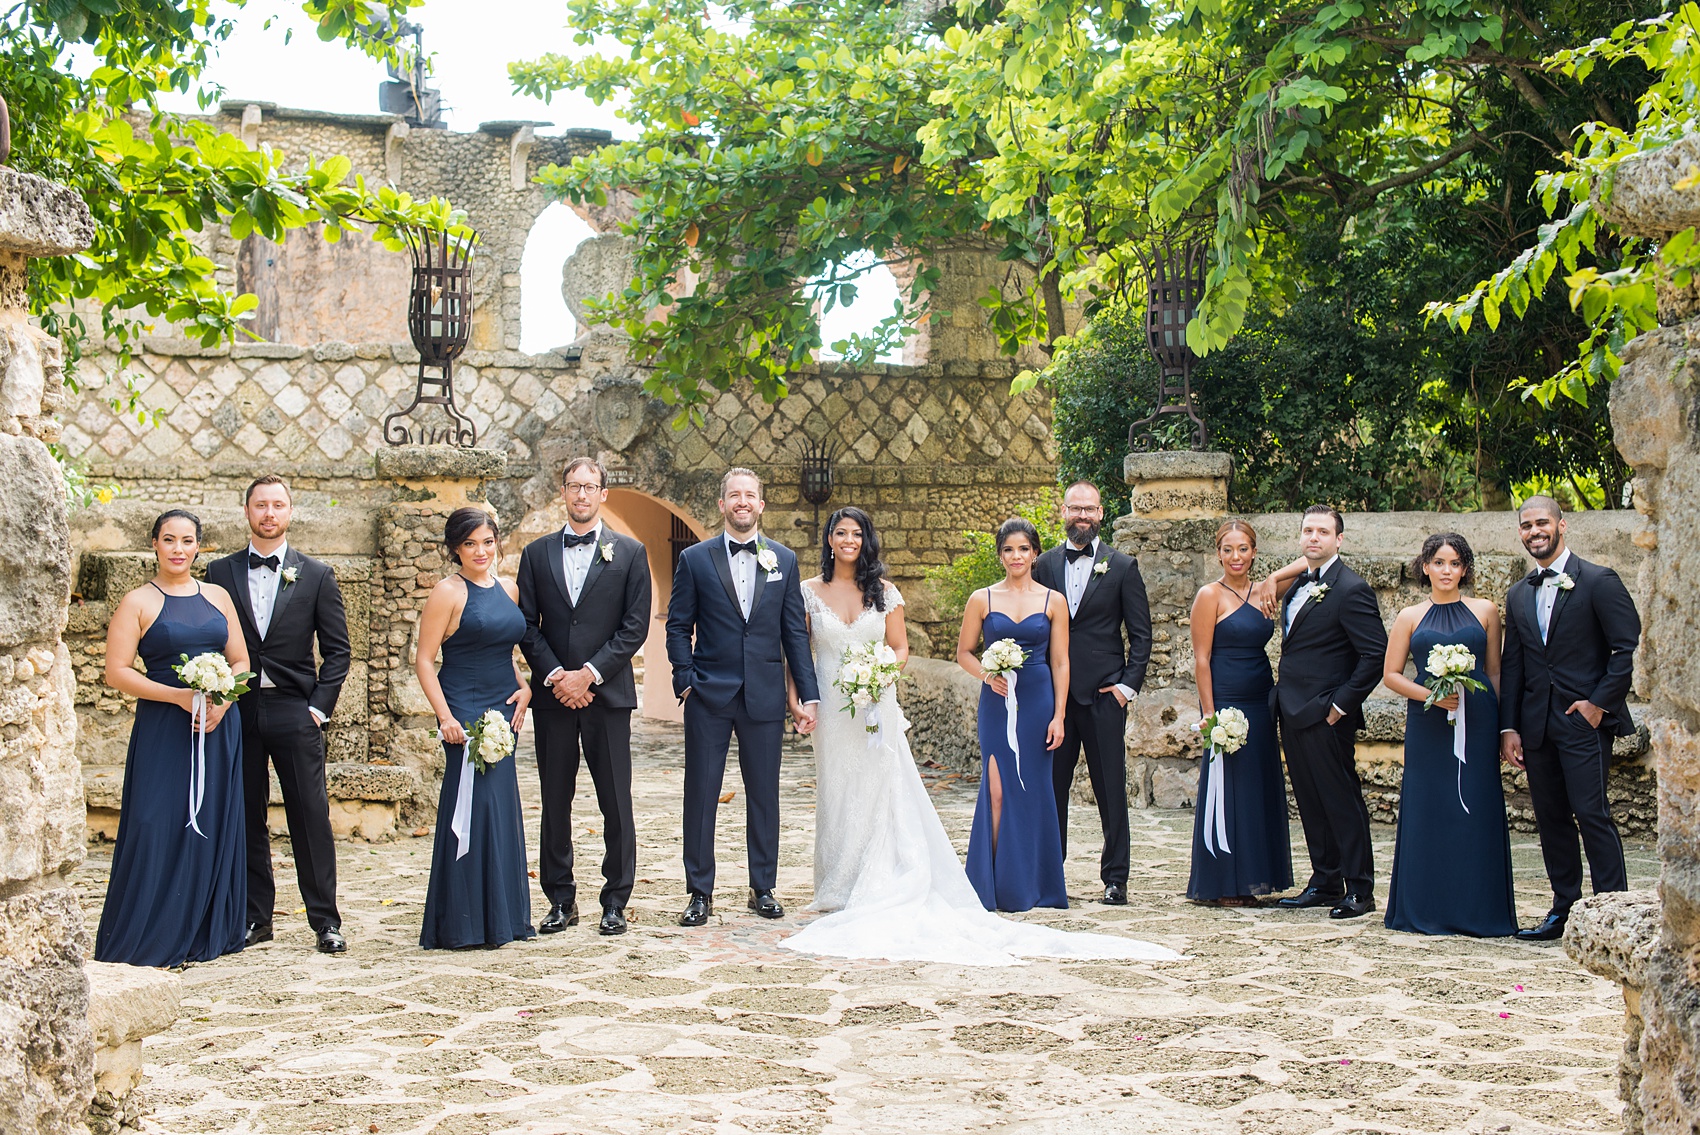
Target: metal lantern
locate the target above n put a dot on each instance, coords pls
(1174, 285)
(439, 319)
(815, 476)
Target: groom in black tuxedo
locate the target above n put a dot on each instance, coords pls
(285, 601)
(1106, 597)
(740, 596)
(585, 594)
(1570, 636)
(1332, 651)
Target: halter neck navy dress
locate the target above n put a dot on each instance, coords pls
(482, 898)
(176, 896)
(1452, 856)
(1259, 855)
(1026, 870)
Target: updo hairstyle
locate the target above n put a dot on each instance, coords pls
(463, 522)
(175, 514)
(1431, 549)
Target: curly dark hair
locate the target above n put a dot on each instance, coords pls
(463, 522)
(870, 569)
(1431, 549)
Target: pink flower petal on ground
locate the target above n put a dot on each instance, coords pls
(525, 1012)
(1504, 1016)
(1345, 1061)
(1518, 988)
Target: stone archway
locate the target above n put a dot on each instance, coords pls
(664, 530)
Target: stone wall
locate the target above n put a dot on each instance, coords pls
(1651, 943)
(46, 1050)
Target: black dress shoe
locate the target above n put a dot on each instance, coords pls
(764, 904)
(1310, 896)
(1353, 906)
(257, 933)
(613, 921)
(697, 911)
(1551, 929)
(331, 940)
(559, 918)
(1115, 894)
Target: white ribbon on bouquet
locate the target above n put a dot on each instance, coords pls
(1013, 707)
(197, 760)
(1215, 805)
(1459, 742)
(461, 824)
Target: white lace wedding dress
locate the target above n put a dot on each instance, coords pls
(884, 867)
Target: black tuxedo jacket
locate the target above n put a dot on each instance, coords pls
(1589, 653)
(1113, 602)
(309, 608)
(1334, 652)
(729, 654)
(605, 628)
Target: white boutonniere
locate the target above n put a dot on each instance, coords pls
(767, 560)
(289, 575)
(1562, 581)
(1318, 592)
(607, 551)
(1100, 567)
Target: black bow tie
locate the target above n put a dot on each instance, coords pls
(257, 561)
(1074, 553)
(1313, 575)
(1536, 578)
(733, 547)
(573, 540)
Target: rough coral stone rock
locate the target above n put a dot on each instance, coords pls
(46, 1049)
(35, 573)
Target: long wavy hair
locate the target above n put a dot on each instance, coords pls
(870, 569)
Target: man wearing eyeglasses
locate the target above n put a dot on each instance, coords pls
(1106, 597)
(584, 592)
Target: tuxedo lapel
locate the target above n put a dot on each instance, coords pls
(1327, 581)
(239, 589)
(285, 589)
(1532, 618)
(723, 566)
(758, 585)
(1092, 578)
(596, 562)
(1563, 597)
(557, 557)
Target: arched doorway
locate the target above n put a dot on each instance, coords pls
(665, 531)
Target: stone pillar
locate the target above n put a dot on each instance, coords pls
(431, 481)
(1178, 484)
(46, 1050)
(1655, 405)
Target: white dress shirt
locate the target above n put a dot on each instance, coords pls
(1547, 594)
(263, 587)
(576, 562)
(1076, 575)
(743, 571)
(1305, 591)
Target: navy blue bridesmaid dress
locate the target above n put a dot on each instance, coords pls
(1452, 856)
(1258, 859)
(1026, 870)
(482, 898)
(177, 894)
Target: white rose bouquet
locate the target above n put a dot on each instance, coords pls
(1003, 658)
(1449, 667)
(489, 740)
(1225, 731)
(210, 674)
(866, 671)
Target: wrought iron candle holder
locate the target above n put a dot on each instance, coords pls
(815, 477)
(439, 319)
(1174, 285)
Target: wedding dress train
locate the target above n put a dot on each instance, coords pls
(884, 868)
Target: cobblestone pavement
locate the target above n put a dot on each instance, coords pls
(1275, 1022)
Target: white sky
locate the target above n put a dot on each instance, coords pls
(472, 44)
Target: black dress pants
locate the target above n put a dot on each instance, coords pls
(277, 728)
(1567, 786)
(604, 736)
(1099, 727)
(1330, 797)
(708, 735)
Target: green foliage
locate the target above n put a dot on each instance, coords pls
(156, 183)
(1617, 303)
(776, 141)
(979, 567)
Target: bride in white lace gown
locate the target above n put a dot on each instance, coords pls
(884, 868)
